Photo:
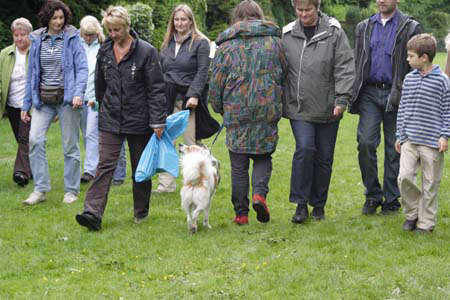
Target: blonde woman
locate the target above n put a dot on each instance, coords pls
(129, 87)
(13, 66)
(185, 62)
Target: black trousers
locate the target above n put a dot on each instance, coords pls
(21, 133)
(262, 170)
(110, 145)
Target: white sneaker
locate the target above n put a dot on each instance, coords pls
(35, 197)
(70, 197)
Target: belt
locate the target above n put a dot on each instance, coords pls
(381, 85)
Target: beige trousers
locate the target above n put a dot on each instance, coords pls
(166, 182)
(420, 204)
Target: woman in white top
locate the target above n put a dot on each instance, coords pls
(13, 66)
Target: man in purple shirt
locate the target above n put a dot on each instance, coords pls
(381, 65)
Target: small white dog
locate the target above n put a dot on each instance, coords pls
(200, 179)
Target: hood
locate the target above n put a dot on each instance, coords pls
(69, 31)
(252, 28)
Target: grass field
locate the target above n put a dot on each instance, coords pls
(45, 254)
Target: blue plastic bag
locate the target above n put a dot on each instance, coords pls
(160, 155)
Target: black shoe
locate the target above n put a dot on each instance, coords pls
(301, 214)
(390, 208)
(20, 179)
(409, 225)
(90, 221)
(86, 177)
(370, 206)
(318, 213)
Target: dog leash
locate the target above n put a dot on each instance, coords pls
(215, 138)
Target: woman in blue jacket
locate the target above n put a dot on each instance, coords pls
(56, 81)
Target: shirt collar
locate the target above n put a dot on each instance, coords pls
(46, 35)
(377, 18)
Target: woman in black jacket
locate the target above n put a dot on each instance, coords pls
(129, 86)
(185, 63)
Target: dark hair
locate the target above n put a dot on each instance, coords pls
(47, 11)
(247, 10)
(423, 44)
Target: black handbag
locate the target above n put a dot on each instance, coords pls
(52, 95)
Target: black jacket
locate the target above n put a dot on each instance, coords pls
(131, 94)
(407, 27)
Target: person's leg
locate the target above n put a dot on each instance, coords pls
(368, 137)
(302, 162)
(91, 142)
(141, 190)
(97, 194)
(239, 183)
(121, 171)
(40, 123)
(432, 163)
(410, 192)
(70, 130)
(189, 134)
(326, 135)
(262, 170)
(391, 164)
(21, 130)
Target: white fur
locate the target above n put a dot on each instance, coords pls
(200, 177)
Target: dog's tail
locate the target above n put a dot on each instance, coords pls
(194, 167)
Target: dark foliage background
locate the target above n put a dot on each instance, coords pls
(213, 16)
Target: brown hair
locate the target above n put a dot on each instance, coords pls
(316, 3)
(423, 44)
(196, 34)
(48, 10)
(247, 10)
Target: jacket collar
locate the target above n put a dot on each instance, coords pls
(324, 24)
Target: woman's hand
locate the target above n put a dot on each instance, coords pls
(25, 116)
(192, 102)
(77, 102)
(159, 131)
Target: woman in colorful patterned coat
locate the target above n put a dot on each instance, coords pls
(245, 88)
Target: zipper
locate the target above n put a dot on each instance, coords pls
(299, 72)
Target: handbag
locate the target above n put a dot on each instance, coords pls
(52, 95)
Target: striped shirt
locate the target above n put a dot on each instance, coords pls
(424, 111)
(51, 59)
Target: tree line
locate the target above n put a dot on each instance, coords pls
(149, 17)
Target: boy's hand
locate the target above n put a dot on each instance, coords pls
(398, 146)
(443, 144)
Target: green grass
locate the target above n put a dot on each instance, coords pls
(45, 254)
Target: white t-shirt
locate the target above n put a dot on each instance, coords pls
(18, 81)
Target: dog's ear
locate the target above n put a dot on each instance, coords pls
(181, 148)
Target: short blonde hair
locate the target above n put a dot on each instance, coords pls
(21, 23)
(90, 25)
(116, 15)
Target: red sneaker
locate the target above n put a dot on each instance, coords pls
(241, 220)
(260, 206)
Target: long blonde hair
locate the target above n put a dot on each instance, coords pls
(90, 25)
(196, 34)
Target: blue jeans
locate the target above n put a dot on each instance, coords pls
(372, 112)
(69, 120)
(89, 129)
(312, 161)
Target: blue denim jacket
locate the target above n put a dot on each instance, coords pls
(75, 68)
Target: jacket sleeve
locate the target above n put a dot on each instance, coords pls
(2, 69)
(99, 80)
(201, 76)
(344, 70)
(80, 67)
(155, 90)
(218, 80)
(399, 133)
(26, 106)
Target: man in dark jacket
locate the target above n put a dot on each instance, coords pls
(381, 65)
(129, 87)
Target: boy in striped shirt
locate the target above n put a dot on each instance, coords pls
(423, 128)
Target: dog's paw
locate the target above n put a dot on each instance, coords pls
(193, 229)
(207, 225)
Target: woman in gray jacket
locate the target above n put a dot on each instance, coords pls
(317, 91)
